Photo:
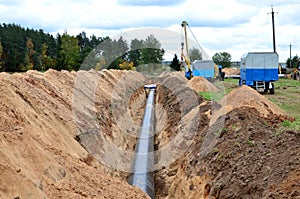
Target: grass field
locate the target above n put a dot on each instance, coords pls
(287, 97)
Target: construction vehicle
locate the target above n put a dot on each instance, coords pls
(282, 68)
(203, 68)
(296, 73)
(185, 59)
(259, 70)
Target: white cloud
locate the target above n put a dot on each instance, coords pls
(150, 2)
(234, 26)
(215, 13)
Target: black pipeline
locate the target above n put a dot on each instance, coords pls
(143, 163)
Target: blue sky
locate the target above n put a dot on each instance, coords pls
(233, 26)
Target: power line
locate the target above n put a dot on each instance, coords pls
(204, 54)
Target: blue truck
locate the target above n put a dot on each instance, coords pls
(259, 70)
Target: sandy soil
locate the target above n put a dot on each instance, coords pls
(40, 157)
(236, 152)
(231, 71)
(201, 84)
(72, 135)
(245, 96)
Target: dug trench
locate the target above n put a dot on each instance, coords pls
(58, 140)
(232, 149)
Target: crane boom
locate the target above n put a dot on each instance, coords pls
(188, 72)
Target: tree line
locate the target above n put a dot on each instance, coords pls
(293, 62)
(26, 49)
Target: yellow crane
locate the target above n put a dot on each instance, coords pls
(186, 58)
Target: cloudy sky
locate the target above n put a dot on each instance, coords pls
(233, 26)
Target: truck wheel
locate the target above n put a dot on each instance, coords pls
(242, 82)
(266, 87)
(272, 90)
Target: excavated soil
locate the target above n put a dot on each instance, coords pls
(40, 157)
(238, 153)
(201, 84)
(245, 96)
(72, 135)
(183, 108)
(249, 160)
(231, 71)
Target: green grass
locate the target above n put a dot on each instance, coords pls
(287, 97)
(227, 85)
(287, 82)
(224, 87)
(250, 143)
(286, 123)
(215, 96)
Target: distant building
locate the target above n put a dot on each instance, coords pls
(236, 64)
(166, 62)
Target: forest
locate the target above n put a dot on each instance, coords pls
(23, 49)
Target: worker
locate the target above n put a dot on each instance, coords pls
(221, 74)
(220, 69)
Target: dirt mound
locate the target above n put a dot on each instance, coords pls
(40, 157)
(238, 153)
(248, 160)
(245, 96)
(231, 71)
(248, 97)
(201, 84)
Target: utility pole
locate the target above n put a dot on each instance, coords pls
(290, 55)
(273, 27)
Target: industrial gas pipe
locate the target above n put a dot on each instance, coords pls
(143, 164)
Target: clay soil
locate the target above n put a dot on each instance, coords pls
(51, 149)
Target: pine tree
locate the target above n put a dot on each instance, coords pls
(152, 52)
(28, 60)
(135, 51)
(1, 51)
(175, 64)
